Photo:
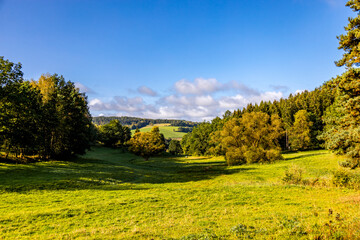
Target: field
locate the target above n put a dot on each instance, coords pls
(165, 129)
(108, 194)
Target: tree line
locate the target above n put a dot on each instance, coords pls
(134, 123)
(328, 116)
(259, 132)
(48, 118)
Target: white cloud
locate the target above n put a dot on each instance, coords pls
(147, 91)
(239, 101)
(123, 104)
(202, 86)
(199, 102)
(299, 91)
(199, 86)
(84, 89)
(233, 102)
(96, 103)
(205, 101)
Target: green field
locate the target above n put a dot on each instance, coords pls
(108, 194)
(165, 129)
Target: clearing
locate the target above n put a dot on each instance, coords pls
(108, 194)
(166, 129)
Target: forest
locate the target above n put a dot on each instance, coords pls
(133, 122)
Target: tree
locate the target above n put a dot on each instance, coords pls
(65, 125)
(114, 134)
(19, 111)
(175, 147)
(350, 42)
(147, 144)
(342, 130)
(300, 132)
(198, 141)
(251, 138)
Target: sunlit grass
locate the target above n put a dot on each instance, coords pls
(108, 194)
(166, 129)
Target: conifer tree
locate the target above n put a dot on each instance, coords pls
(342, 132)
(350, 41)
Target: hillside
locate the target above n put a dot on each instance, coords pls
(109, 194)
(166, 129)
(134, 122)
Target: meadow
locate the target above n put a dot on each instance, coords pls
(111, 194)
(166, 129)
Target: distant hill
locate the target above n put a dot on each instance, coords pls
(134, 122)
(172, 132)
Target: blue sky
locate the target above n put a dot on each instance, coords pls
(176, 58)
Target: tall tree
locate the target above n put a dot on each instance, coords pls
(19, 110)
(300, 132)
(342, 132)
(350, 42)
(66, 122)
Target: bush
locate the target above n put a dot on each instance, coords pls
(253, 155)
(293, 175)
(235, 157)
(341, 177)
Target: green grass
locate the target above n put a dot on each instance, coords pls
(165, 129)
(108, 194)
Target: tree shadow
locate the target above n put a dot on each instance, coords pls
(108, 169)
(303, 156)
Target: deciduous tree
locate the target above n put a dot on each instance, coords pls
(147, 144)
(114, 134)
(252, 138)
(300, 132)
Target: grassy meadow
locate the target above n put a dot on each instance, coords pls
(109, 194)
(166, 129)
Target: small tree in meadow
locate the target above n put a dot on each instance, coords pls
(147, 144)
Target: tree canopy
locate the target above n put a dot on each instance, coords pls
(342, 131)
(300, 132)
(147, 144)
(48, 118)
(350, 42)
(113, 134)
(251, 138)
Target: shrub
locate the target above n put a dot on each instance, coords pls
(293, 175)
(341, 177)
(235, 157)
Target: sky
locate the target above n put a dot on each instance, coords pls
(179, 59)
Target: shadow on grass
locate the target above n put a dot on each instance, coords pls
(108, 169)
(304, 155)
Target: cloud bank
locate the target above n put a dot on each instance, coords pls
(198, 100)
